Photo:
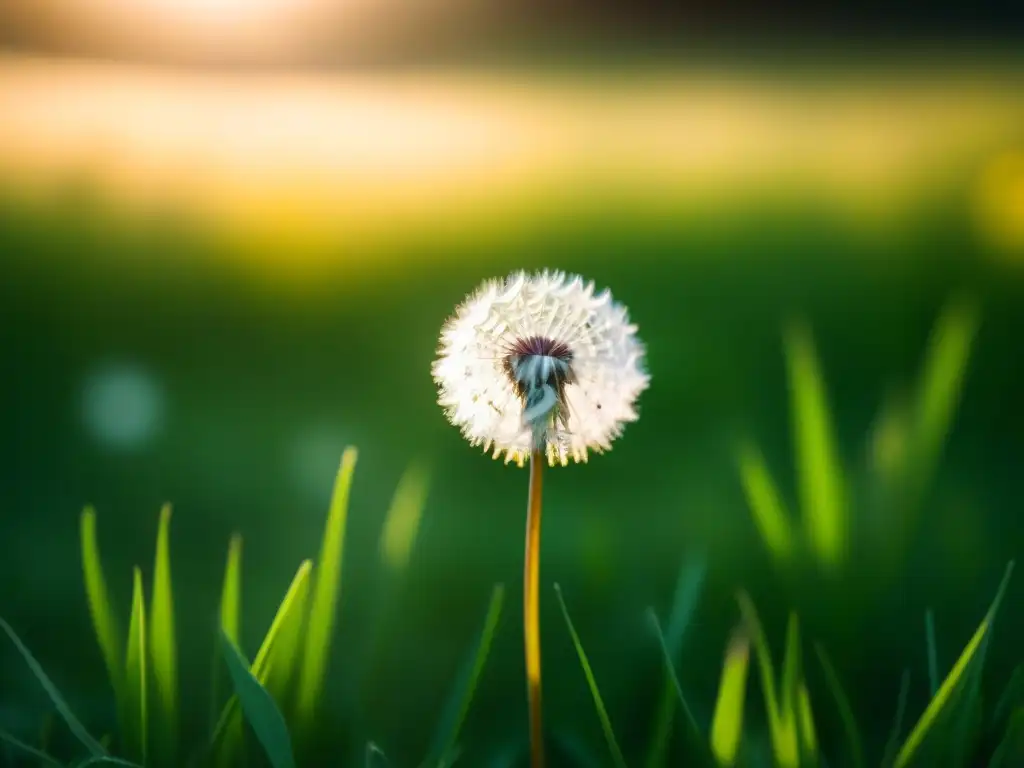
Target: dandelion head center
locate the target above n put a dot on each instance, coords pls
(535, 363)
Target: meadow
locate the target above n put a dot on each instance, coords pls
(799, 555)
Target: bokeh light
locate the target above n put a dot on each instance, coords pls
(123, 406)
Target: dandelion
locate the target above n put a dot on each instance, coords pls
(539, 367)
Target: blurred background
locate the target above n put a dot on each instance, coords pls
(230, 233)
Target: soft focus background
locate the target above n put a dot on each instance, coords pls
(229, 235)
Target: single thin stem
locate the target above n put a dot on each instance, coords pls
(531, 613)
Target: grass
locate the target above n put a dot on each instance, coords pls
(279, 693)
(281, 689)
(945, 726)
(915, 437)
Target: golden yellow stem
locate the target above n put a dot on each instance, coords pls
(531, 613)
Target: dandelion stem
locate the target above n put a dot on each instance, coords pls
(531, 614)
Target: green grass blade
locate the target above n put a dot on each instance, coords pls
(950, 684)
(819, 468)
(104, 620)
(230, 615)
(941, 380)
(727, 721)
(791, 674)
(43, 758)
(897, 724)
(933, 652)
(402, 522)
(162, 643)
(231, 590)
(325, 594)
(260, 665)
(74, 724)
(854, 748)
(684, 603)
(135, 670)
(670, 668)
(263, 716)
(1010, 752)
(805, 726)
(765, 503)
(967, 727)
(785, 746)
(454, 714)
(287, 648)
(602, 713)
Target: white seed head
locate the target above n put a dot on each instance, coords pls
(540, 362)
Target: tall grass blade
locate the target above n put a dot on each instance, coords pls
(230, 620)
(287, 648)
(74, 725)
(19, 745)
(805, 725)
(104, 620)
(453, 716)
(402, 522)
(939, 702)
(897, 723)
(968, 724)
(941, 381)
(785, 746)
(263, 716)
(162, 641)
(684, 603)
(670, 668)
(727, 721)
(819, 469)
(230, 610)
(933, 652)
(325, 594)
(602, 713)
(135, 670)
(765, 503)
(854, 746)
(260, 664)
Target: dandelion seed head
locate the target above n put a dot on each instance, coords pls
(541, 362)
